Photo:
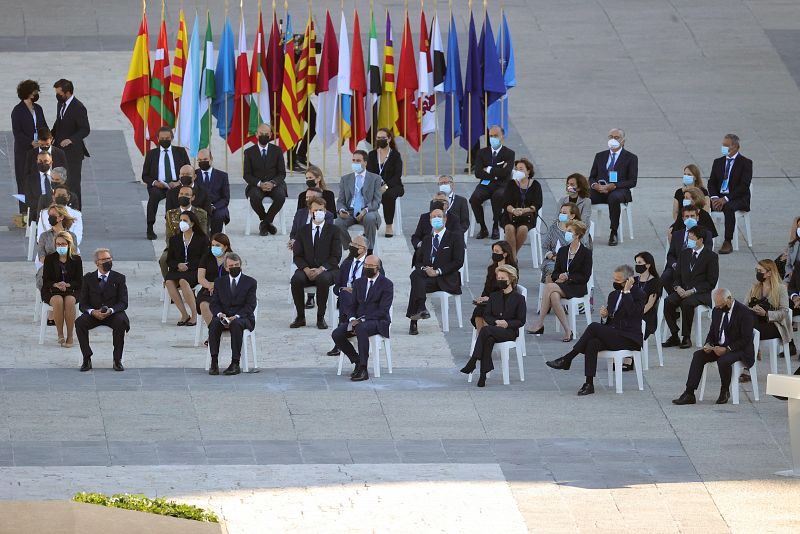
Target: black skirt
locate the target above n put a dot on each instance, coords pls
(189, 276)
(50, 292)
(571, 290)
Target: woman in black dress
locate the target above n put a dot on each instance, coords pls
(385, 160)
(184, 252)
(522, 201)
(649, 282)
(502, 254)
(211, 267)
(570, 278)
(314, 178)
(62, 275)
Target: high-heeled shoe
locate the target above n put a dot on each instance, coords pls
(537, 332)
(68, 343)
(61, 340)
(482, 381)
(568, 339)
(469, 368)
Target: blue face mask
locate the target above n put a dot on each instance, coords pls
(216, 251)
(563, 217)
(446, 189)
(686, 202)
(356, 168)
(689, 223)
(437, 223)
(725, 151)
(691, 243)
(494, 142)
(688, 179)
(62, 251)
(569, 237)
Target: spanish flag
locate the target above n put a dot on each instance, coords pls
(136, 95)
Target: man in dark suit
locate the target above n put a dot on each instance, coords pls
(45, 145)
(317, 252)
(188, 178)
(103, 301)
(424, 228)
(493, 166)
(233, 306)
(729, 186)
(302, 216)
(367, 315)
(351, 269)
(456, 204)
(678, 241)
(160, 173)
(436, 265)
(70, 131)
(37, 184)
(695, 276)
(620, 328)
(729, 340)
(215, 183)
(59, 193)
(613, 175)
(265, 174)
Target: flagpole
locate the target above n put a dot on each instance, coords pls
(241, 97)
(162, 74)
(273, 126)
(354, 126)
(435, 116)
(145, 144)
(421, 97)
(339, 107)
(225, 98)
(469, 112)
(308, 44)
(405, 97)
(485, 100)
(285, 37)
(372, 116)
(452, 98)
(502, 68)
(208, 19)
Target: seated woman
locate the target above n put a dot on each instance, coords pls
(504, 316)
(578, 193)
(314, 178)
(184, 252)
(212, 265)
(649, 282)
(522, 201)
(791, 255)
(501, 255)
(769, 301)
(691, 178)
(60, 221)
(553, 239)
(794, 300)
(62, 275)
(694, 197)
(570, 278)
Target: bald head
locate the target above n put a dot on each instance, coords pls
(203, 154)
(373, 261)
(186, 174)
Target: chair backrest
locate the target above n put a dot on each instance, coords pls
(523, 291)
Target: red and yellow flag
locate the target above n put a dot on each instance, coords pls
(179, 63)
(307, 69)
(290, 129)
(136, 95)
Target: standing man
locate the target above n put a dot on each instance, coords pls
(215, 183)
(729, 186)
(70, 130)
(265, 174)
(493, 166)
(359, 201)
(38, 184)
(160, 173)
(613, 175)
(104, 299)
(26, 118)
(45, 145)
(456, 204)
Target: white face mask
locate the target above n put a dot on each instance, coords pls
(798, 233)
(613, 144)
(184, 226)
(446, 189)
(518, 175)
(319, 216)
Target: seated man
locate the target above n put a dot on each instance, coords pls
(265, 174)
(729, 186)
(493, 166)
(351, 269)
(456, 204)
(424, 224)
(620, 328)
(233, 305)
(160, 173)
(173, 221)
(677, 244)
(729, 340)
(61, 197)
(436, 264)
(302, 216)
(359, 201)
(58, 177)
(187, 178)
(215, 183)
(103, 301)
(695, 276)
(37, 184)
(368, 315)
(317, 251)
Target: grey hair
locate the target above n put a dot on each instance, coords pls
(362, 238)
(232, 256)
(733, 138)
(99, 251)
(61, 171)
(724, 292)
(626, 270)
(493, 126)
(620, 130)
(449, 178)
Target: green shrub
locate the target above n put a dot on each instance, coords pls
(141, 503)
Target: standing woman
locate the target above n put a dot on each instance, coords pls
(314, 178)
(62, 275)
(26, 118)
(184, 252)
(212, 265)
(522, 201)
(386, 161)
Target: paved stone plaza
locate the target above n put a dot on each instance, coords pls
(294, 447)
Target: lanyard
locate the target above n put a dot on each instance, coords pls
(523, 193)
(186, 249)
(219, 269)
(382, 165)
(569, 261)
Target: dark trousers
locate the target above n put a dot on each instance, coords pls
(236, 328)
(729, 212)
(323, 282)
(687, 306)
(154, 197)
(767, 330)
(256, 196)
(74, 166)
(19, 175)
(598, 337)
(482, 193)
(487, 337)
(613, 199)
(724, 363)
(421, 285)
(667, 276)
(363, 332)
(115, 321)
(389, 201)
(217, 219)
(347, 306)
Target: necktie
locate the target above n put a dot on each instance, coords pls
(316, 235)
(205, 176)
(263, 153)
(728, 165)
(358, 201)
(494, 157)
(369, 288)
(616, 306)
(612, 162)
(693, 261)
(723, 327)
(435, 247)
(103, 279)
(356, 265)
(61, 109)
(233, 286)
(167, 167)
(685, 238)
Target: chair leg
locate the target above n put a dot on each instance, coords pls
(630, 220)
(659, 349)
(445, 312)
(747, 232)
(376, 349)
(610, 365)
(208, 359)
(736, 233)
(618, 374)
(734, 387)
(458, 311)
(387, 344)
(703, 382)
(247, 220)
(698, 327)
(645, 355)
(245, 361)
(637, 360)
(504, 362)
(754, 381)
(474, 339)
(165, 307)
(341, 361)
(520, 365)
(787, 357)
(42, 322)
(255, 351)
(198, 330)
(773, 356)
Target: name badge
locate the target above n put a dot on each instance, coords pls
(612, 176)
(485, 182)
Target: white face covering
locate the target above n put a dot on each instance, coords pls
(184, 226)
(798, 233)
(319, 216)
(517, 175)
(613, 144)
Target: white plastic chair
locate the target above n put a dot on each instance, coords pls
(248, 336)
(535, 239)
(465, 267)
(719, 217)
(738, 369)
(573, 310)
(44, 308)
(772, 346)
(30, 234)
(699, 311)
(375, 343)
(656, 336)
(504, 349)
(444, 298)
(397, 226)
(614, 359)
(521, 349)
(165, 298)
(626, 209)
(37, 301)
(251, 214)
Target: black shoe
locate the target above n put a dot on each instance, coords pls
(724, 395)
(355, 371)
(412, 329)
(151, 235)
(213, 369)
(495, 232)
(334, 351)
(685, 398)
(310, 301)
(51, 322)
(562, 363)
(612, 239)
(87, 365)
(672, 341)
(263, 229)
(537, 332)
(297, 323)
(482, 381)
(271, 229)
(233, 369)
(118, 366)
(792, 348)
(321, 324)
(361, 375)
(483, 234)
(586, 389)
(298, 167)
(470, 367)
(424, 314)
(686, 343)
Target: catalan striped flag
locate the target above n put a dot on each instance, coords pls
(387, 109)
(290, 129)
(179, 63)
(136, 94)
(307, 69)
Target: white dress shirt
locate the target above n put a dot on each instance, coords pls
(76, 228)
(161, 176)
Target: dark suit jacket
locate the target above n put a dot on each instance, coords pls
(738, 335)
(201, 199)
(375, 306)
(344, 274)
(33, 191)
(58, 155)
(739, 183)
(628, 318)
(705, 274)
(460, 208)
(501, 167)
(449, 259)
(114, 295)
(243, 303)
(327, 252)
(580, 268)
(301, 219)
(22, 125)
(219, 190)
(51, 271)
(258, 169)
(327, 195)
(177, 254)
(75, 127)
(512, 309)
(424, 228)
(627, 167)
(47, 199)
(150, 168)
(676, 246)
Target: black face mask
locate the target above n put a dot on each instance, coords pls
(184, 201)
(618, 286)
(204, 165)
(383, 143)
(370, 272)
(61, 98)
(186, 180)
(44, 148)
(264, 140)
(725, 309)
(500, 284)
(353, 251)
(52, 219)
(107, 265)
(235, 271)
(497, 256)
(164, 143)
(35, 97)
(43, 167)
(760, 276)
(311, 183)
(640, 268)
(62, 201)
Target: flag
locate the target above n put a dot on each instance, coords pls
(387, 109)
(307, 70)
(179, 63)
(189, 120)
(407, 85)
(162, 109)
(453, 87)
(327, 84)
(274, 71)
(259, 86)
(426, 102)
(343, 83)
(207, 86)
(373, 83)
(437, 57)
(498, 111)
(225, 86)
(135, 101)
(241, 108)
(471, 108)
(358, 84)
(493, 85)
(291, 127)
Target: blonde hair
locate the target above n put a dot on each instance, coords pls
(510, 271)
(776, 286)
(578, 227)
(66, 236)
(698, 197)
(67, 219)
(694, 170)
(317, 172)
